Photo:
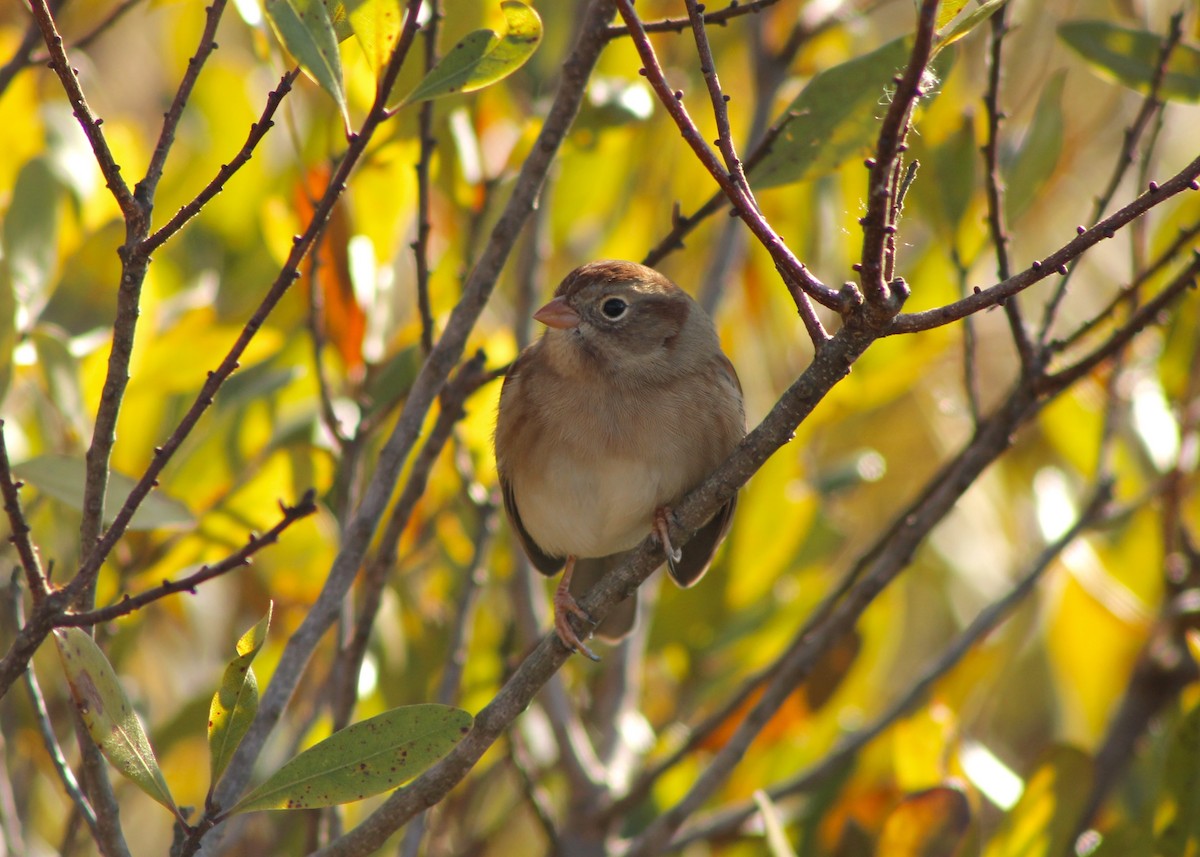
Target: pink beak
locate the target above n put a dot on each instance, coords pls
(557, 314)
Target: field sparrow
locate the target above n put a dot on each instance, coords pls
(624, 405)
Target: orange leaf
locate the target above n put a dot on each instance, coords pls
(931, 823)
(343, 322)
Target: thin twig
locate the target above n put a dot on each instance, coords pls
(145, 189)
(995, 187)
(420, 246)
(42, 716)
(60, 64)
(678, 25)
(881, 303)
(1183, 241)
(35, 577)
(258, 130)
(1151, 104)
(239, 559)
(800, 281)
(1056, 263)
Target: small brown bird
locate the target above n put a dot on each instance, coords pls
(624, 405)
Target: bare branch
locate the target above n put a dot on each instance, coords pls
(1055, 263)
(239, 559)
(881, 187)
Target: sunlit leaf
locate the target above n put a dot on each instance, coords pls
(1131, 57)
(63, 476)
(30, 236)
(777, 841)
(108, 714)
(236, 702)
(484, 56)
(1043, 823)
(947, 11)
(305, 29)
(967, 23)
(1177, 814)
(377, 25)
(1038, 156)
(836, 116)
(931, 823)
(363, 759)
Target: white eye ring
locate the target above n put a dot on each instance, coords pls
(613, 308)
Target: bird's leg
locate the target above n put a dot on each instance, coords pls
(566, 606)
(662, 528)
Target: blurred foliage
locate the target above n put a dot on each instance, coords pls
(995, 759)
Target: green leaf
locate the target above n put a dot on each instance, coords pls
(62, 477)
(1035, 161)
(1043, 822)
(1177, 814)
(236, 702)
(305, 29)
(483, 57)
(108, 715)
(1131, 57)
(966, 24)
(954, 164)
(836, 116)
(30, 236)
(363, 759)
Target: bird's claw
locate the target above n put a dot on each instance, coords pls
(565, 606)
(662, 528)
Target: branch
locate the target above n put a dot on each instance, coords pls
(69, 77)
(42, 716)
(239, 559)
(35, 577)
(995, 188)
(429, 382)
(797, 277)
(427, 142)
(829, 366)
(1145, 316)
(258, 130)
(727, 822)
(878, 226)
(145, 189)
(1150, 105)
(1056, 262)
(678, 25)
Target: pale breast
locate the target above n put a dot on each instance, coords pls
(606, 464)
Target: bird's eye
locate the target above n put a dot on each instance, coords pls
(614, 308)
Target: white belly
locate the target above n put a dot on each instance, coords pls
(591, 510)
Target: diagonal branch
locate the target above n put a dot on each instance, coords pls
(1056, 263)
(239, 559)
(726, 822)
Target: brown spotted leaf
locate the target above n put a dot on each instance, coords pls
(108, 714)
(364, 759)
(931, 823)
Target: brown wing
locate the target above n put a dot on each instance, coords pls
(542, 561)
(698, 552)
